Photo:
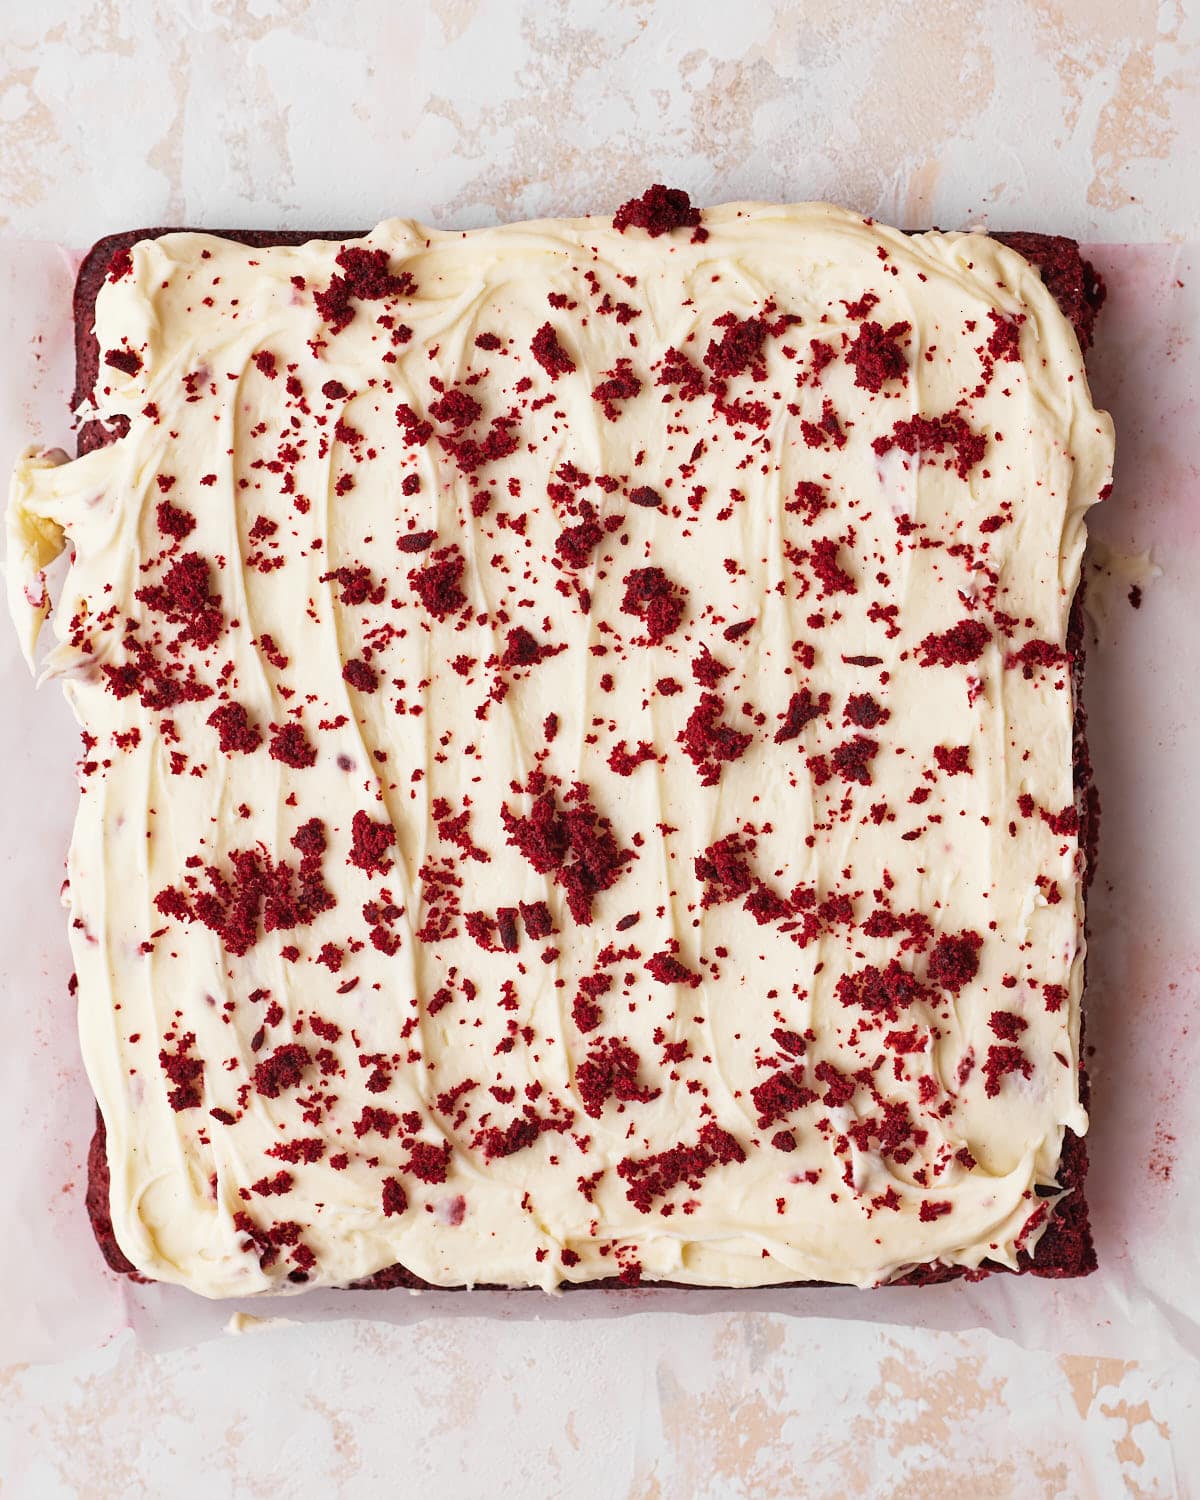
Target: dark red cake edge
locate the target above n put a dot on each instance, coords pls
(1066, 1247)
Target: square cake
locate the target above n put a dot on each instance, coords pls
(583, 779)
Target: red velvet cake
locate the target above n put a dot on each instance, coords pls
(584, 779)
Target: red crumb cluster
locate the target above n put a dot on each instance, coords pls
(255, 894)
(550, 354)
(365, 277)
(569, 841)
(438, 584)
(957, 647)
(659, 210)
(649, 1178)
(708, 742)
(877, 354)
(949, 435)
(652, 598)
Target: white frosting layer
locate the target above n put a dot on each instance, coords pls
(921, 1130)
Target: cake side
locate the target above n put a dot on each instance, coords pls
(1052, 1243)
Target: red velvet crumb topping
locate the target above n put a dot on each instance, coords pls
(659, 210)
(550, 354)
(652, 598)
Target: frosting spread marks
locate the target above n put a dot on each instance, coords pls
(577, 772)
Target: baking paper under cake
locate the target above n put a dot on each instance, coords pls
(578, 749)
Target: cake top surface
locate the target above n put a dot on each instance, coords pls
(578, 748)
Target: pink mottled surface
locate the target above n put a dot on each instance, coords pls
(1079, 119)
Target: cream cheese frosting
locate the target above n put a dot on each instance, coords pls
(577, 773)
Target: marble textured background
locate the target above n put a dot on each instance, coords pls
(1082, 117)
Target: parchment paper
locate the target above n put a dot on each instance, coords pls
(1143, 695)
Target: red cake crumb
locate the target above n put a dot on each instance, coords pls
(585, 1012)
(707, 670)
(360, 676)
(437, 584)
(184, 1072)
(376, 1121)
(624, 762)
(125, 360)
(655, 1176)
(852, 760)
(370, 844)
(652, 598)
(738, 349)
(953, 759)
(877, 355)
(416, 541)
(809, 500)
(121, 264)
(930, 1211)
(522, 649)
(668, 969)
(954, 961)
(620, 384)
(284, 1069)
(575, 544)
(862, 711)
(357, 586)
(949, 432)
(610, 1071)
(962, 644)
(522, 1132)
(1004, 341)
(724, 869)
(236, 732)
(710, 744)
(289, 744)
(273, 1187)
(1035, 654)
(416, 432)
(878, 991)
(826, 431)
(255, 890)
(537, 919)
(1002, 1060)
(678, 371)
(428, 1163)
(366, 277)
(394, 1200)
(570, 841)
(184, 597)
(658, 211)
(839, 1089)
(1054, 996)
(832, 577)
(802, 709)
(303, 1149)
(457, 408)
(861, 306)
(549, 352)
(471, 454)
(174, 521)
(506, 927)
